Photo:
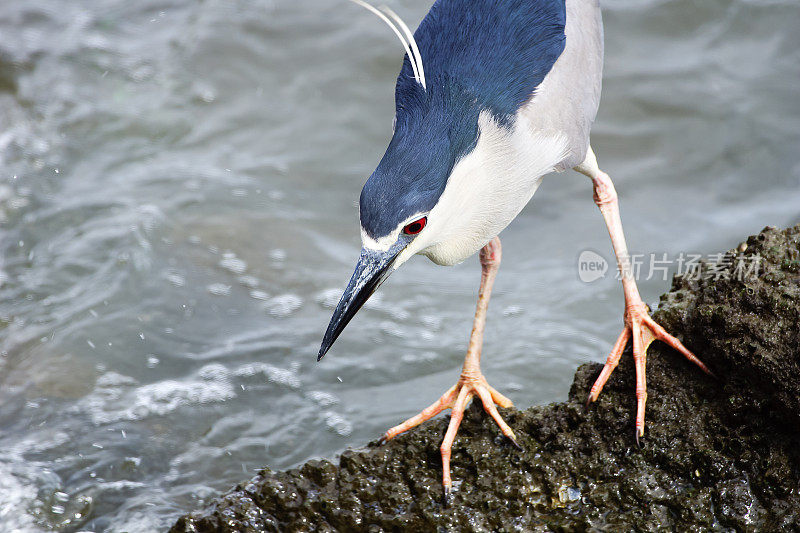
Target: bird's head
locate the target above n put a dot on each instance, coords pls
(435, 191)
(399, 206)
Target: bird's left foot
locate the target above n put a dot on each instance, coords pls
(457, 398)
(640, 327)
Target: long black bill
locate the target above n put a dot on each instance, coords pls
(372, 269)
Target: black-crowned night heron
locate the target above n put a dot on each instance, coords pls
(492, 96)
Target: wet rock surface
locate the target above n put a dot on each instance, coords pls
(718, 454)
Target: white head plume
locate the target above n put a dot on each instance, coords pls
(403, 33)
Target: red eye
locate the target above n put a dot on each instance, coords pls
(415, 227)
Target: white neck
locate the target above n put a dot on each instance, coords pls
(487, 189)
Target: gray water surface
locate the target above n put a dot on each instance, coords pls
(177, 219)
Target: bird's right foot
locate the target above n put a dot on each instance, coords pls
(457, 398)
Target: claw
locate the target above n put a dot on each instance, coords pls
(642, 330)
(447, 496)
(457, 398)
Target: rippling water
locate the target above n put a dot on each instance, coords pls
(177, 188)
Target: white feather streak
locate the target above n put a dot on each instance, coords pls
(411, 41)
(411, 56)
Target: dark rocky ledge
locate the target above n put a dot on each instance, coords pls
(718, 455)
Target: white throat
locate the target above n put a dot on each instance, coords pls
(486, 190)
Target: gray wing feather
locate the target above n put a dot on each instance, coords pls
(566, 101)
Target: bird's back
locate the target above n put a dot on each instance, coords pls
(541, 57)
(498, 51)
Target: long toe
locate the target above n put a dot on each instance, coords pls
(457, 414)
(661, 334)
(641, 340)
(611, 363)
(445, 402)
(489, 406)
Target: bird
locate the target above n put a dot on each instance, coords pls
(492, 96)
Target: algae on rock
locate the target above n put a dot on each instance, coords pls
(718, 454)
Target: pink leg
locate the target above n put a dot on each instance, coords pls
(471, 382)
(638, 324)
